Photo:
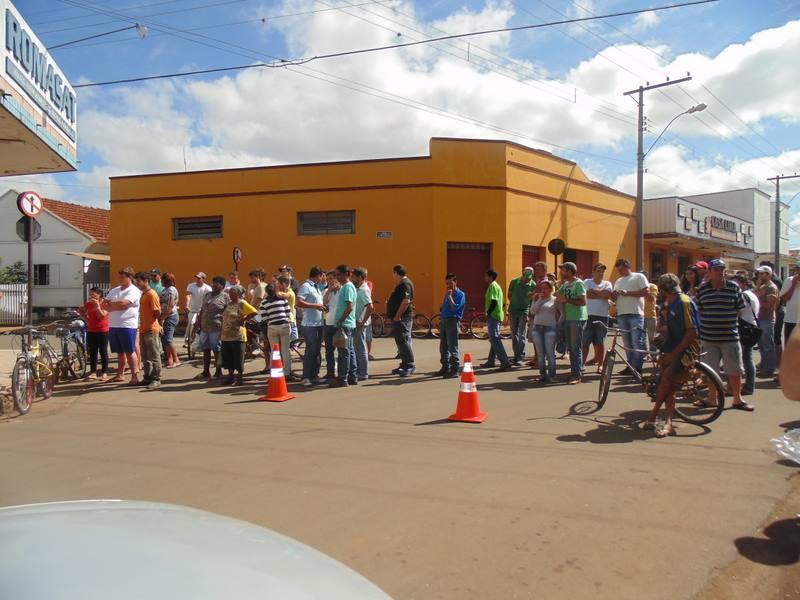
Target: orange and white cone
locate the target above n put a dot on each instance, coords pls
(276, 390)
(468, 408)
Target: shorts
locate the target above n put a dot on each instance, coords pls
(170, 323)
(122, 340)
(676, 373)
(730, 353)
(593, 333)
(209, 340)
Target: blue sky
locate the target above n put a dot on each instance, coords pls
(742, 54)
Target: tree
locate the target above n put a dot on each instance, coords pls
(16, 273)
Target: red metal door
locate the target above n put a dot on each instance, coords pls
(531, 255)
(469, 261)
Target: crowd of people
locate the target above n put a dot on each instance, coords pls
(707, 310)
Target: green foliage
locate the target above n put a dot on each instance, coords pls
(16, 273)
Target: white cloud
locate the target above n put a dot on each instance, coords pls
(646, 20)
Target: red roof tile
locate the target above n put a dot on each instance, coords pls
(95, 222)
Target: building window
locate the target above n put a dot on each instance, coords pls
(41, 274)
(334, 222)
(197, 228)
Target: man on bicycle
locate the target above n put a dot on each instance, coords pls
(195, 292)
(679, 349)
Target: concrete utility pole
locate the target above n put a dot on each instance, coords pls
(777, 249)
(640, 153)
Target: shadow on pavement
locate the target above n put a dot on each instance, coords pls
(435, 422)
(781, 546)
(790, 425)
(626, 428)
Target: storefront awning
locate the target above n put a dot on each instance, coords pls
(90, 256)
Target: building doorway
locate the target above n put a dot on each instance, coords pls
(531, 255)
(583, 259)
(469, 261)
(658, 264)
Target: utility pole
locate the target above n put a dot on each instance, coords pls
(777, 236)
(640, 166)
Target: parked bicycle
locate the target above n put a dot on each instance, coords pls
(72, 363)
(34, 370)
(691, 400)
(382, 325)
(474, 324)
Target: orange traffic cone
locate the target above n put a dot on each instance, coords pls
(276, 390)
(468, 409)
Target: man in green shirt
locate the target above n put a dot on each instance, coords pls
(572, 296)
(520, 292)
(494, 317)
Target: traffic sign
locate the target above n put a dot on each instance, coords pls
(35, 226)
(29, 203)
(556, 246)
(237, 254)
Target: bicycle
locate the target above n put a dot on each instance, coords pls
(474, 324)
(190, 333)
(72, 364)
(382, 325)
(33, 371)
(691, 399)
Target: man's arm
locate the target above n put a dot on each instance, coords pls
(787, 295)
(188, 301)
(402, 309)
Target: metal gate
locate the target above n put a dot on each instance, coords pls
(13, 304)
(469, 262)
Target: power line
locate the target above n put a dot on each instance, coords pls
(302, 61)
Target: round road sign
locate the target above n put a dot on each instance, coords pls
(556, 246)
(237, 255)
(29, 203)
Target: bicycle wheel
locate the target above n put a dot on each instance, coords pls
(692, 399)
(190, 351)
(436, 325)
(479, 327)
(75, 359)
(420, 326)
(298, 346)
(606, 374)
(378, 326)
(22, 386)
(47, 376)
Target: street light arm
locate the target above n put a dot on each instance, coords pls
(675, 118)
(140, 29)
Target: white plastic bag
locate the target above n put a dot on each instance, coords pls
(788, 445)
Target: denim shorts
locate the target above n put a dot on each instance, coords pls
(122, 340)
(209, 340)
(594, 333)
(170, 323)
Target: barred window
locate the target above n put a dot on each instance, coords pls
(336, 222)
(197, 228)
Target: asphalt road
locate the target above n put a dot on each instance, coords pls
(536, 502)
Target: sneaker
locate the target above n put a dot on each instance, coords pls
(503, 368)
(204, 375)
(363, 377)
(397, 371)
(486, 365)
(337, 383)
(407, 372)
(155, 384)
(228, 380)
(237, 381)
(307, 383)
(352, 381)
(450, 374)
(441, 372)
(318, 381)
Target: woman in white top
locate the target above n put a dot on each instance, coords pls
(546, 314)
(749, 314)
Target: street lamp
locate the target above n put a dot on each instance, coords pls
(640, 180)
(140, 29)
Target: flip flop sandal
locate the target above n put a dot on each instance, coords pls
(743, 406)
(662, 433)
(649, 425)
(116, 379)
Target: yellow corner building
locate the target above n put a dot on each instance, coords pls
(469, 205)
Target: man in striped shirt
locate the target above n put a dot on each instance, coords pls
(718, 302)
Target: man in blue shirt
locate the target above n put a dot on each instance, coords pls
(345, 321)
(451, 313)
(679, 348)
(309, 298)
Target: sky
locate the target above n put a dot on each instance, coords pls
(558, 88)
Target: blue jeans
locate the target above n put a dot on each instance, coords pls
(311, 358)
(766, 345)
(519, 327)
(544, 339)
(330, 351)
(634, 338)
(749, 383)
(361, 354)
(347, 357)
(574, 340)
(448, 343)
(496, 343)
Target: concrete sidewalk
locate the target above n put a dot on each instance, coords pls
(537, 502)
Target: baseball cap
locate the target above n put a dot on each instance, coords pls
(286, 268)
(200, 274)
(717, 263)
(155, 271)
(701, 264)
(764, 269)
(527, 270)
(569, 265)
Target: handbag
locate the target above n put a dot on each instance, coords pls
(749, 334)
(340, 339)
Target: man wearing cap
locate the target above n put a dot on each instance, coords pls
(195, 292)
(702, 272)
(155, 280)
(719, 302)
(598, 293)
(630, 290)
(572, 297)
(520, 292)
(790, 296)
(767, 293)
